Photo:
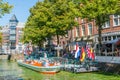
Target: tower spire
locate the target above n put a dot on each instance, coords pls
(13, 18)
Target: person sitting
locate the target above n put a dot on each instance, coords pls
(46, 63)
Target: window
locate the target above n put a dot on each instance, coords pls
(77, 31)
(90, 29)
(20, 48)
(12, 38)
(13, 23)
(82, 20)
(12, 32)
(66, 35)
(12, 44)
(6, 38)
(118, 36)
(105, 38)
(106, 25)
(114, 37)
(76, 18)
(12, 26)
(109, 38)
(83, 30)
(116, 20)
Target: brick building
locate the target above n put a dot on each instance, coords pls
(87, 31)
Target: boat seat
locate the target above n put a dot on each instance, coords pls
(51, 64)
(37, 64)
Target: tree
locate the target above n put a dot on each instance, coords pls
(63, 16)
(37, 26)
(51, 19)
(4, 8)
(99, 10)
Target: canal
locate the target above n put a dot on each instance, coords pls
(10, 70)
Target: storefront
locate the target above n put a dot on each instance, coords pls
(108, 36)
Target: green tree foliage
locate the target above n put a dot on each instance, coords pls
(37, 26)
(51, 17)
(4, 8)
(98, 10)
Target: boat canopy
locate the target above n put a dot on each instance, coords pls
(115, 41)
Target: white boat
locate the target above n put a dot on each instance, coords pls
(50, 69)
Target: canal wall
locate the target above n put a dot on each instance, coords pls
(109, 67)
(15, 57)
(12, 57)
(3, 56)
(109, 64)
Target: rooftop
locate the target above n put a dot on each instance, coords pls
(13, 18)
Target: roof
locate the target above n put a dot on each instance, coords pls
(13, 18)
(115, 41)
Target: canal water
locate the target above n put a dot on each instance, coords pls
(10, 70)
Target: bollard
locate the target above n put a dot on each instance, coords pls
(9, 56)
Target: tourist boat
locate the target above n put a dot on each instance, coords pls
(40, 66)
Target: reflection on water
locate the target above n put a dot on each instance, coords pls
(10, 69)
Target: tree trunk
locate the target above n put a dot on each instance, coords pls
(58, 50)
(99, 24)
(100, 36)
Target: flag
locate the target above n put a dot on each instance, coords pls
(88, 52)
(77, 51)
(92, 54)
(28, 49)
(82, 57)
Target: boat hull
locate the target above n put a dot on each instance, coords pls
(41, 69)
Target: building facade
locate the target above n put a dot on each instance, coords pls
(111, 29)
(12, 34)
(87, 31)
(12, 26)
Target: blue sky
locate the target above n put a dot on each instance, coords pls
(21, 10)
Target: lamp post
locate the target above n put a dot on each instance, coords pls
(7, 47)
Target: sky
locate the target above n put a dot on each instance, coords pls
(20, 9)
